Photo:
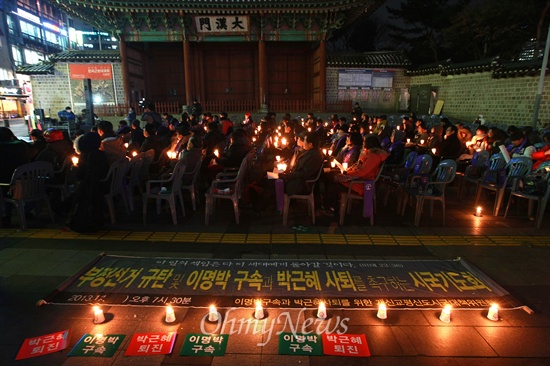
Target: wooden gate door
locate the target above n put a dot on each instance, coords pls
(229, 74)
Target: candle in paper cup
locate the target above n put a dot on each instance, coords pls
(170, 316)
(493, 313)
(345, 166)
(434, 150)
(75, 160)
(478, 211)
(134, 153)
(278, 157)
(324, 151)
(421, 142)
(217, 153)
(322, 311)
(445, 316)
(330, 152)
(126, 145)
(213, 314)
(333, 164)
(99, 317)
(259, 312)
(408, 141)
(283, 141)
(382, 311)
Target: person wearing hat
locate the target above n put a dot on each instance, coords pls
(58, 148)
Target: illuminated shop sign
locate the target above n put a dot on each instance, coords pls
(28, 16)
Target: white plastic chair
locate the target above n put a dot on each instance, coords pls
(309, 196)
(541, 199)
(28, 184)
(434, 190)
(514, 169)
(168, 190)
(192, 187)
(134, 179)
(116, 179)
(229, 188)
(346, 199)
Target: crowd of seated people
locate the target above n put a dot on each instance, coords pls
(302, 145)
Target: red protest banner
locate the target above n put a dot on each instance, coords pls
(149, 344)
(91, 71)
(43, 345)
(354, 345)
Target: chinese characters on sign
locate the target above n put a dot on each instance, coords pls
(43, 345)
(97, 345)
(218, 24)
(91, 71)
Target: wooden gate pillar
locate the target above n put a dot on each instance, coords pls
(262, 77)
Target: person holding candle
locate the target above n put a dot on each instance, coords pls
(239, 146)
(306, 167)
(86, 214)
(366, 168)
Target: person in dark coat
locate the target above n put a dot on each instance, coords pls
(152, 142)
(86, 213)
(240, 146)
(14, 153)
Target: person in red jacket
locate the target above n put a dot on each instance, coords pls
(366, 168)
(543, 154)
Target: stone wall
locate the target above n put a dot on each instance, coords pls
(503, 101)
(52, 92)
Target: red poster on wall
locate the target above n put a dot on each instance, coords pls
(91, 71)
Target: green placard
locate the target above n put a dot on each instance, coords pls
(300, 344)
(97, 345)
(204, 345)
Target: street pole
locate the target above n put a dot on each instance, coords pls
(538, 98)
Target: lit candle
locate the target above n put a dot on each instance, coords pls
(134, 153)
(213, 314)
(126, 145)
(382, 311)
(170, 316)
(169, 153)
(324, 151)
(281, 167)
(408, 141)
(283, 141)
(217, 153)
(326, 124)
(333, 164)
(75, 160)
(259, 312)
(253, 139)
(309, 129)
(493, 313)
(421, 142)
(277, 138)
(98, 315)
(478, 211)
(445, 316)
(434, 150)
(322, 311)
(398, 128)
(330, 152)
(278, 157)
(345, 166)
